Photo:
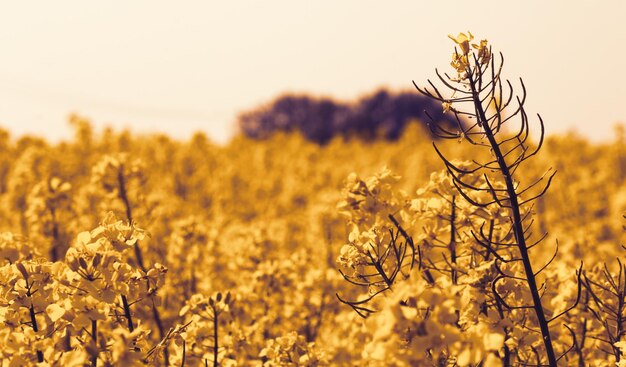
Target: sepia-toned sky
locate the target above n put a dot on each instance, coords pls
(178, 67)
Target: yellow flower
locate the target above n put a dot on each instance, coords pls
(463, 41)
(460, 63)
(484, 55)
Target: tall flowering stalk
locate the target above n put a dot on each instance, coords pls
(478, 94)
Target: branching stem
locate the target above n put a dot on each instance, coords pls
(518, 227)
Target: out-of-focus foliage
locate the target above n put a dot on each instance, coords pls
(229, 257)
(382, 114)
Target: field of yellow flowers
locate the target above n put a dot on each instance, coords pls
(118, 249)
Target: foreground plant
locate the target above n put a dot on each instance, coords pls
(477, 297)
(479, 94)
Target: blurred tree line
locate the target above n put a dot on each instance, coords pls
(381, 115)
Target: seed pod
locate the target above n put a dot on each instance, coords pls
(22, 270)
(96, 260)
(82, 262)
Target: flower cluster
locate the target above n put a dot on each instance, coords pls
(291, 349)
(461, 61)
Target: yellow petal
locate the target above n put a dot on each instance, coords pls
(55, 312)
(493, 341)
(83, 238)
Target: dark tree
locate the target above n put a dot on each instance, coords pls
(379, 115)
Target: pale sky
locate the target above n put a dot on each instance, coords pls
(178, 67)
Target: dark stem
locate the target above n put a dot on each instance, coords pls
(215, 341)
(518, 227)
(157, 319)
(182, 363)
(127, 314)
(54, 249)
(489, 238)
(139, 257)
(506, 359)
(94, 337)
(33, 318)
(579, 349)
(621, 292)
(123, 195)
(452, 244)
